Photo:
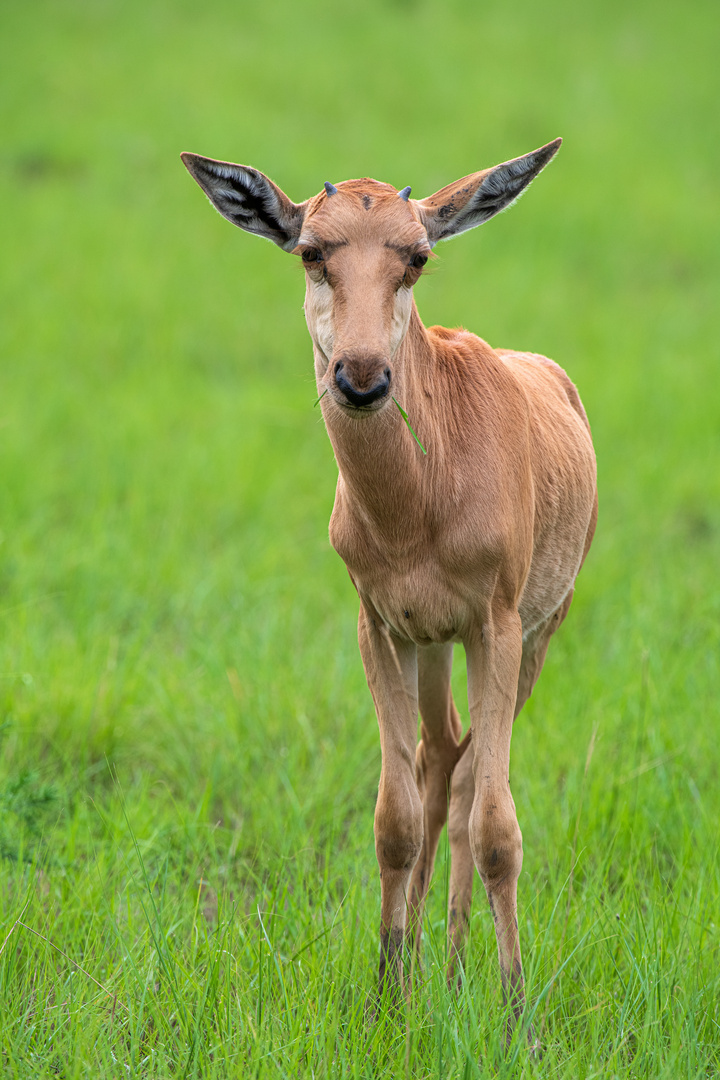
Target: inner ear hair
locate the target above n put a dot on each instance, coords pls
(248, 199)
(505, 183)
(476, 198)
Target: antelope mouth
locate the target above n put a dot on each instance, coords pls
(362, 410)
(352, 398)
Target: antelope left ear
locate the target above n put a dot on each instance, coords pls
(478, 197)
(248, 199)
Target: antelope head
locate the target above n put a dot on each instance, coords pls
(363, 245)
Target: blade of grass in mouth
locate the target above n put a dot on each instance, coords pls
(321, 397)
(405, 418)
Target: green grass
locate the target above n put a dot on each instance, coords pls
(189, 761)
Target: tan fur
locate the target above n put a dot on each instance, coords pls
(477, 542)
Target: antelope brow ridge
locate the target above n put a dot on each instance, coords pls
(479, 543)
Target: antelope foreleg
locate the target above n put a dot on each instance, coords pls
(391, 670)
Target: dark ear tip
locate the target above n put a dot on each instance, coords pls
(546, 153)
(189, 160)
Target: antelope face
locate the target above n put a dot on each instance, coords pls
(363, 248)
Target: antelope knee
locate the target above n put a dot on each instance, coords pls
(398, 830)
(495, 842)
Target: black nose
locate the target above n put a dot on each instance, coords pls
(356, 397)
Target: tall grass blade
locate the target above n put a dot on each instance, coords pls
(405, 418)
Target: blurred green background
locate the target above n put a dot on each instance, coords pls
(189, 751)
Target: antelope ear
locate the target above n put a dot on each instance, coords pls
(474, 199)
(248, 199)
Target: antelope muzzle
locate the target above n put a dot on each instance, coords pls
(362, 383)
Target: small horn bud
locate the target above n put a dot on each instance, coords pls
(330, 188)
(405, 193)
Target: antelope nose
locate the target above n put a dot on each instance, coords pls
(356, 397)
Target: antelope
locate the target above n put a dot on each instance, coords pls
(472, 531)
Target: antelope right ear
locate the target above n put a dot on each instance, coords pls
(475, 198)
(248, 199)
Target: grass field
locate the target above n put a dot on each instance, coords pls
(190, 758)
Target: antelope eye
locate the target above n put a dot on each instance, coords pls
(418, 261)
(312, 255)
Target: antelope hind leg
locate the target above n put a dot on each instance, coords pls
(436, 757)
(462, 867)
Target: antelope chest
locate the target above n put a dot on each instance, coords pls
(418, 603)
(426, 589)
(416, 607)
